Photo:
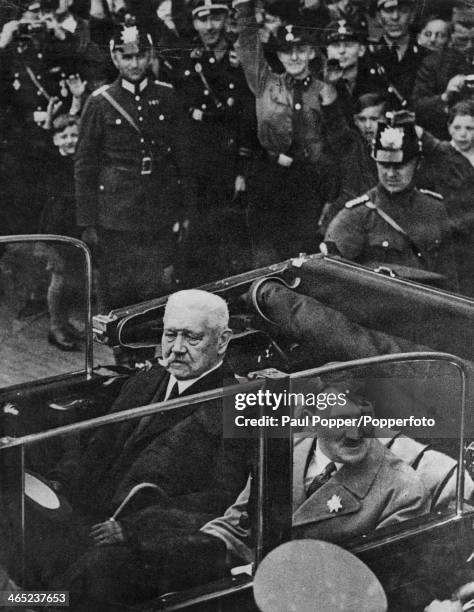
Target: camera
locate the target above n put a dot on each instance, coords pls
(469, 83)
(27, 29)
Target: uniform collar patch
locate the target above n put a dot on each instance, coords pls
(134, 88)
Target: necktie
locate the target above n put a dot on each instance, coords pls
(321, 479)
(394, 53)
(174, 393)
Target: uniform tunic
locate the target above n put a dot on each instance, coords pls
(133, 211)
(400, 72)
(220, 126)
(285, 202)
(30, 72)
(362, 235)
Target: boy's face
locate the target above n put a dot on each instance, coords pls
(366, 121)
(347, 52)
(296, 60)
(461, 131)
(66, 140)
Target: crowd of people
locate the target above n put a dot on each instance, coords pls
(189, 141)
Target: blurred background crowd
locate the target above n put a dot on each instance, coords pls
(241, 133)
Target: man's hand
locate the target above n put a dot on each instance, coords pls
(454, 86)
(108, 532)
(7, 33)
(444, 606)
(76, 85)
(54, 105)
(332, 74)
(53, 25)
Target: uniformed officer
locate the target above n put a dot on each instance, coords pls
(394, 224)
(345, 49)
(34, 55)
(220, 131)
(127, 177)
(397, 51)
(292, 178)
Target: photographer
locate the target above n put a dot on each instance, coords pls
(37, 55)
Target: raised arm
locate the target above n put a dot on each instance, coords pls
(249, 47)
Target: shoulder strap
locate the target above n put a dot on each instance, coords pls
(113, 102)
(393, 224)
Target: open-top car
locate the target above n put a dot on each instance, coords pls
(294, 325)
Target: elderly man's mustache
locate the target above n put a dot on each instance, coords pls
(165, 361)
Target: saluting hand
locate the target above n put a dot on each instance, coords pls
(108, 532)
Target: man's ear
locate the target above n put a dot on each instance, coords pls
(224, 340)
(312, 53)
(113, 55)
(362, 50)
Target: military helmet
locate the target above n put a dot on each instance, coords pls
(396, 140)
(130, 37)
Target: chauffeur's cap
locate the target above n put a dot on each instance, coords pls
(202, 8)
(396, 141)
(130, 37)
(341, 30)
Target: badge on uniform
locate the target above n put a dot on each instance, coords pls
(146, 166)
(334, 504)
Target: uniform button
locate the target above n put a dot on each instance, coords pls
(206, 92)
(169, 149)
(142, 140)
(137, 98)
(212, 60)
(40, 56)
(298, 106)
(118, 121)
(38, 93)
(139, 108)
(385, 243)
(161, 117)
(231, 86)
(140, 118)
(38, 76)
(203, 106)
(419, 254)
(187, 73)
(101, 187)
(39, 108)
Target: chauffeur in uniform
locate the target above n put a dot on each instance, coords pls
(127, 176)
(220, 130)
(394, 223)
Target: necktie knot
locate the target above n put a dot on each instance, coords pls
(321, 479)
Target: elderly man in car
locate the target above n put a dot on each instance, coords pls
(192, 472)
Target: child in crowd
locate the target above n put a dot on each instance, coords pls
(59, 218)
(448, 168)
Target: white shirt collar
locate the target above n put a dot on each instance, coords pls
(185, 384)
(133, 87)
